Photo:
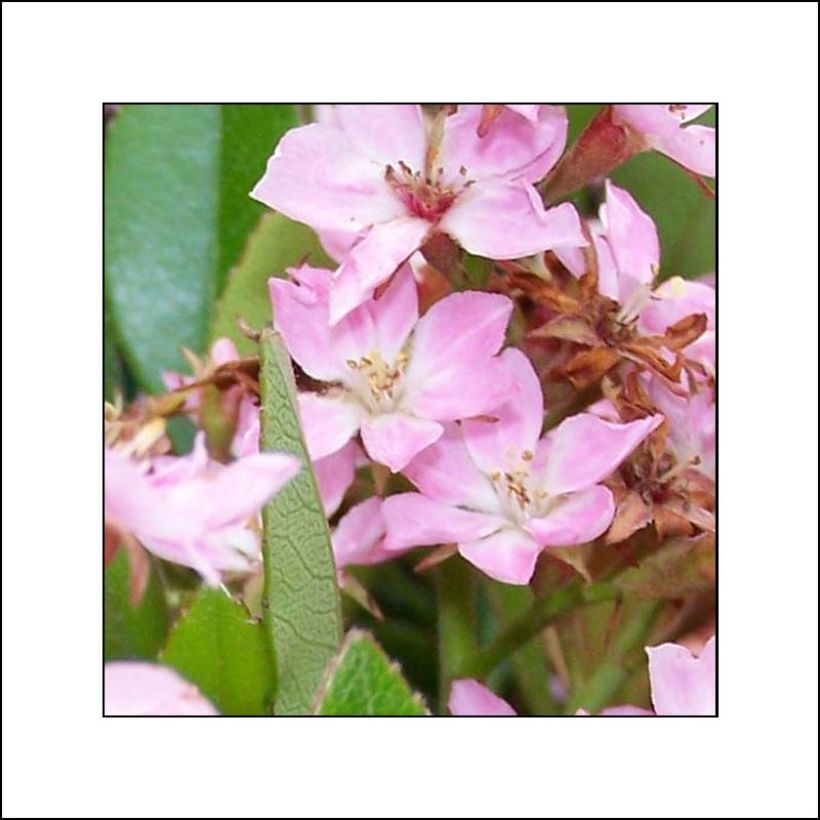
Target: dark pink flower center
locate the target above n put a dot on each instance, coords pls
(424, 196)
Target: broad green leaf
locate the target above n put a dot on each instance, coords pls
(275, 244)
(217, 646)
(177, 209)
(686, 219)
(301, 608)
(112, 364)
(362, 680)
(132, 631)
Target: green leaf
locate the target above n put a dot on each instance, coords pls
(112, 364)
(217, 646)
(177, 209)
(132, 631)
(275, 244)
(301, 608)
(362, 680)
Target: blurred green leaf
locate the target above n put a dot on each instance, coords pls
(362, 680)
(112, 364)
(132, 631)
(301, 608)
(275, 244)
(177, 210)
(218, 647)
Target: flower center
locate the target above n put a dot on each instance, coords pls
(425, 196)
(379, 383)
(520, 499)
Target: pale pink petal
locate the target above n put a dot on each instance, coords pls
(373, 260)
(694, 147)
(358, 540)
(581, 517)
(465, 326)
(469, 697)
(328, 422)
(393, 439)
(395, 313)
(681, 683)
(387, 133)
(632, 235)
(134, 688)
(413, 520)
(509, 221)
(445, 472)
(528, 111)
(246, 437)
(508, 555)
(674, 300)
(572, 259)
(584, 450)
(240, 489)
(318, 176)
(609, 283)
(458, 390)
(516, 147)
(500, 444)
(223, 350)
(334, 474)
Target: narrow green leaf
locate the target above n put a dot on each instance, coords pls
(301, 608)
(275, 244)
(362, 680)
(217, 646)
(132, 631)
(177, 210)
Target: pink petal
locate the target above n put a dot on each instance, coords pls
(328, 422)
(578, 519)
(334, 474)
(317, 176)
(694, 147)
(508, 555)
(528, 111)
(223, 350)
(395, 313)
(412, 520)
(674, 300)
(445, 472)
(469, 697)
(388, 134)
(373, 260)
(240, 489)
(632, 235)
(393, 439)
(300, 314)
(133, 688)
(584, 450)
(681, 683)
(509, 221)
(515, 147)
(500, 444)
(358, 540)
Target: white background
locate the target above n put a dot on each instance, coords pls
(60, 61)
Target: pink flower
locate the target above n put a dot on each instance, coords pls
(394, 377)
(334, 473)
(469, 697)
(223, 351)
(662, 128)
(682, 684)
(379, 172)
(627, 249)
(133, 688)
(501, 494)
(191, 510)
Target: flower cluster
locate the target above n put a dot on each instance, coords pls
(552, 417)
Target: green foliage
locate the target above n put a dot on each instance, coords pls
(276, 244)
(363, 681)
(301, 608)
(176, 214)
(132, 631)
(217, 646)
